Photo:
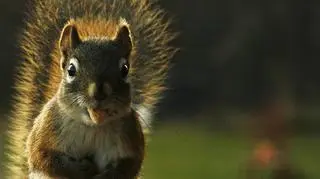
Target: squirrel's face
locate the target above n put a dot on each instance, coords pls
(95, 85)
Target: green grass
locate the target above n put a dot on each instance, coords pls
(193, 152)
(190, 152)
(305, 153)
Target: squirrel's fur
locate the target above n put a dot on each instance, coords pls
(38, 75)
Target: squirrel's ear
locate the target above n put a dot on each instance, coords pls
(69, 39)
(123, 39)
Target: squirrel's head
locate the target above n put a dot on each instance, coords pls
(95, 85)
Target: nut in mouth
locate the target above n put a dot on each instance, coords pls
(99, 116)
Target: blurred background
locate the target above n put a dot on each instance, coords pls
(243, 98)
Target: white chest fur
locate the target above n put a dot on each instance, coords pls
(106, 142)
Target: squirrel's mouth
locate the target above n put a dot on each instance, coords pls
(97, 115)
(100, 115)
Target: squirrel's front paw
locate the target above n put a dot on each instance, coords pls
(84, 168)
(105, 175)
(109, 172)
(88, 165)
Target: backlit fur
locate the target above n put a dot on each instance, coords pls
(38, 74)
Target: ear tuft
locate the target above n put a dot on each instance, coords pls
(69, 39)
(123, 38)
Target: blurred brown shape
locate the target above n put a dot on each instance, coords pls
(271, 135)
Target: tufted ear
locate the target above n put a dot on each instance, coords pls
(123, 39)
(69, 40)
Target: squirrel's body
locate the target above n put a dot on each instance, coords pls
(89, 141)
(118, 140)
(42, 75)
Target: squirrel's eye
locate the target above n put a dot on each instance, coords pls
(72, 70)
(124, 70)
(124, 67)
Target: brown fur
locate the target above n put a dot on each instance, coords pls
(54, 135)
(38, 75)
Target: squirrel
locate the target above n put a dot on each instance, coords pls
(90, 117)
(91, 75)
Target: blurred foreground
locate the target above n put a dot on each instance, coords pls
(191, 151)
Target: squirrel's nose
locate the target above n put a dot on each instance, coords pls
(99, 96)
(99, 91)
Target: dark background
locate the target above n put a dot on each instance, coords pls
(239, 60)
(233, 53)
